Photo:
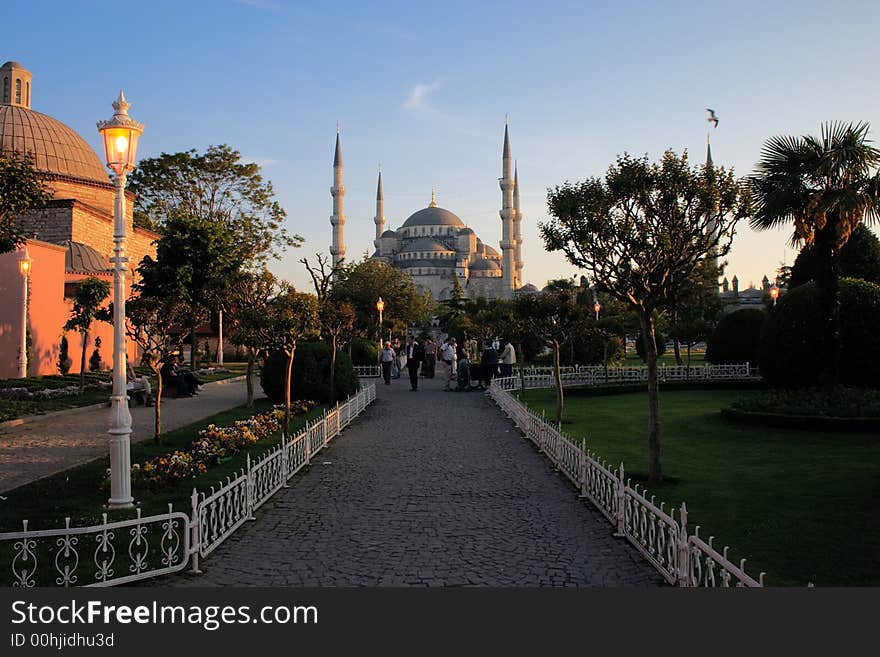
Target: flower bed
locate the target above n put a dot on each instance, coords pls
(213, 445)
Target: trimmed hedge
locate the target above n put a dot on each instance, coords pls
(364, 352)
(310, 378)
(737, 338)
(791, 351)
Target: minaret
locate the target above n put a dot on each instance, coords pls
(337, 220)
(507, 244)
(379, 219)
(517, 230)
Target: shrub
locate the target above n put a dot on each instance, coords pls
(64, 360)
(791, 352)
(837, 402)
(859, 258)
(661, 345)
(364, 352)
(95, 364)
(594, 347)
(737, 337)
(311, 374)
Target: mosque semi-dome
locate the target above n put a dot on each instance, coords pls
(83, 259)
(54, 148)
(433, 216)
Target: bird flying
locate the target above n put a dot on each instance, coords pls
(713, 118)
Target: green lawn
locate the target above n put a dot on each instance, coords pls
(800, 505)
(80, 494)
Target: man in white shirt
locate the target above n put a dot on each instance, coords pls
(449, 355)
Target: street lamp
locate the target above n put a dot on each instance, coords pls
(380, 306)
(597, 307)
(774, 294)
(120, 135)
(24, 266)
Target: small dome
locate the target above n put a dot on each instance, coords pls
(466, 231)
(425, 244)
(433, 217)
(82, 259)
(491, 252)
(528, 288)
(54, 148)
(481, 264)
(12, 64)
(388, 233)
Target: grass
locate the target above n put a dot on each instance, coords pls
(800, 505)
(11, 409)
(80, 493)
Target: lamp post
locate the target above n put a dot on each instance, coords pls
(120, 135)
(220, 343)
(597, 307)
(774, 294)
(380, 306)
(24, 266)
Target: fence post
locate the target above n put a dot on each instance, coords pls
(285, 463)
(542, 433)
(620, 492)
(195, 535)
(582, 475)
(308, 446)
(683, 553)
(250, 489)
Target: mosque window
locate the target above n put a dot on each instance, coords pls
(6, 89)
(18, 90)
(27, 98)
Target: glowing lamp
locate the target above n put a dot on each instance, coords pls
(774, 294)
(24, 265)
(120, 135)
(597, 307)
(380, 305)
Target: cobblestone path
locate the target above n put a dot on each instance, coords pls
(56, 442)
(426, 489)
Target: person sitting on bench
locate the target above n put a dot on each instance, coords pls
(185, 383)
(138, 387)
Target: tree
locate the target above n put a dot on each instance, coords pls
(21, 189)
(195, 261)
(95, 361)
(640, 233)
(826, 187)
(152, 325)
(214, 186)
(87, 301)
(362, 283)
(554, 318)
(291, 316)
(248, 304)
(64, 361)
(859, 258)
(694, 310)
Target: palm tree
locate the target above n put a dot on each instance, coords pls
(826, 186)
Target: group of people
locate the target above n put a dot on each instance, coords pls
(498, 357)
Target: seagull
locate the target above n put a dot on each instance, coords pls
(713, 118)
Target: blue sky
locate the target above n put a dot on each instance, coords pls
(422, 88)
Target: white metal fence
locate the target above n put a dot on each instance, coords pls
(597, 375)
(125, 551)
(368, 371)
(683, 559)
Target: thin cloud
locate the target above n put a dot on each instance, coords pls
(418, 97)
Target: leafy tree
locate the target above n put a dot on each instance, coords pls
(195, 261)
(291, 316)
(859, 258)
(640, 233)
(737, 337)
(362, 283)
(87, 302)
(152, 325)
(214, 186)
(21, 189)
(695, 308)
(247, 305)
(826, 187)
(554, 318)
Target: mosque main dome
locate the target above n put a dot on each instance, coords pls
(433, 216)
(54, 148)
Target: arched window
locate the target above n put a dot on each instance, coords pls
(6, 89)
(18, 90)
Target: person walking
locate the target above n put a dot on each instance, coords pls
(399, 359)
(508, 359)
(464, 372)
(387, 358)
(489, 365)
(415, 354)
(447, 352)
(430, 359)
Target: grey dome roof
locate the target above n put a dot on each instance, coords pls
(433, 217)
(484, 265)
(528, 288)
(54, 148)
(82, 259)
(466, 231)
(12, 64)
(388, 233)
(491, 251)
(425, 244)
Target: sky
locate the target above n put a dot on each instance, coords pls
(423, 90)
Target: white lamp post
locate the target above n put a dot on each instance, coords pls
(774, 294)
(220, 342)
(24, 266)
(120, 135)
(380, 306)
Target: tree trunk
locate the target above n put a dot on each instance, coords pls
(655, 475)
(522, 374)
(332, 368)
(249, 381)
(193, 349)
(287, 376)
(676, 348)
(82, 362)
(157, 433)
(557, 374)
(828, 285)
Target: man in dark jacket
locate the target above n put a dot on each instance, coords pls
(489, 365)
(415, 354)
